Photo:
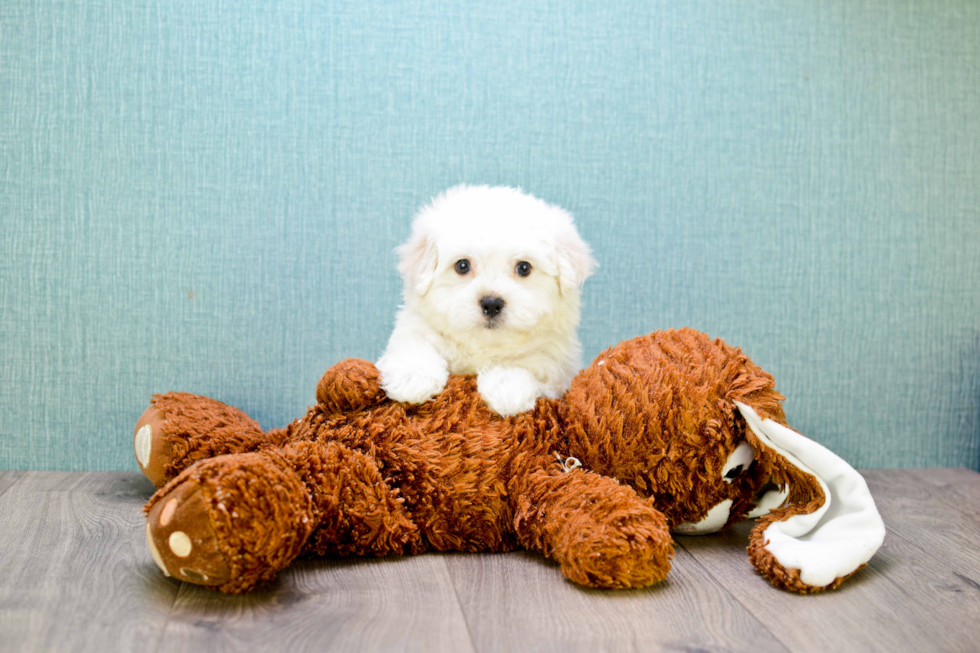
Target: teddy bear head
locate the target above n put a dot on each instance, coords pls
(659, 413)
(698, 428)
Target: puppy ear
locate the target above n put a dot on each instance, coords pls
(417, 262)
(574, 261)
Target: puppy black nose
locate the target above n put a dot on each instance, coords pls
(491, 306)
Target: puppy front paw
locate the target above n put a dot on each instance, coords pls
(412, 379)
(508, 390)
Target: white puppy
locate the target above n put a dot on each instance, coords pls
(492, 282)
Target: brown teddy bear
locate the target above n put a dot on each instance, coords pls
(670, 431)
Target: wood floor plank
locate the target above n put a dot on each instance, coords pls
(8, 478)
(520, 601)
(363, 604)
(946, 475)
(937, 510)
(959, 486)
(75, 573)
(905, 600)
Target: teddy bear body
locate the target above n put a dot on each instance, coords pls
(651, 422)
(455, 464)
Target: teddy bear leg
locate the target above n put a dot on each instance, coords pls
(356, 511)
(601, 532)
(178, 429)
(230, 522)
(234, 521)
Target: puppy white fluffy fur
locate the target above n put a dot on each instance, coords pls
(492, 287)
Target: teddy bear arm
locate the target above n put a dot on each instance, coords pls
(601, 532)
(349, 385)
(178, 429)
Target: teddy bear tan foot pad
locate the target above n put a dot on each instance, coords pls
(672, 431)
(182, 540)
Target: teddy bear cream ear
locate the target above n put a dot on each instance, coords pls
(574, 261)
(830, 528)
(417, 261)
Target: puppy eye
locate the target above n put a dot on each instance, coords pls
(523, 269)
(463, 266)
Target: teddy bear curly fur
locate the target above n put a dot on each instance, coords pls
(651, 423)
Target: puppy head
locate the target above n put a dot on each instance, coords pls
(484, 257)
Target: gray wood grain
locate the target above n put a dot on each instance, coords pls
(389, 604)
(8, 478)
(906, 599)
(959, 486)
(520, 601)
(940, 475)
(938, 510)
(75, 574)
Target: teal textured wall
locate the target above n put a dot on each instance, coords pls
(204, 196)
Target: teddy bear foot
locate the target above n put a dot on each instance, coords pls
(180, 429)
(154, 452)
(623, 565)
(230, 522)
(182, 539)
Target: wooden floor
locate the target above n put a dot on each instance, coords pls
(75, 575)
